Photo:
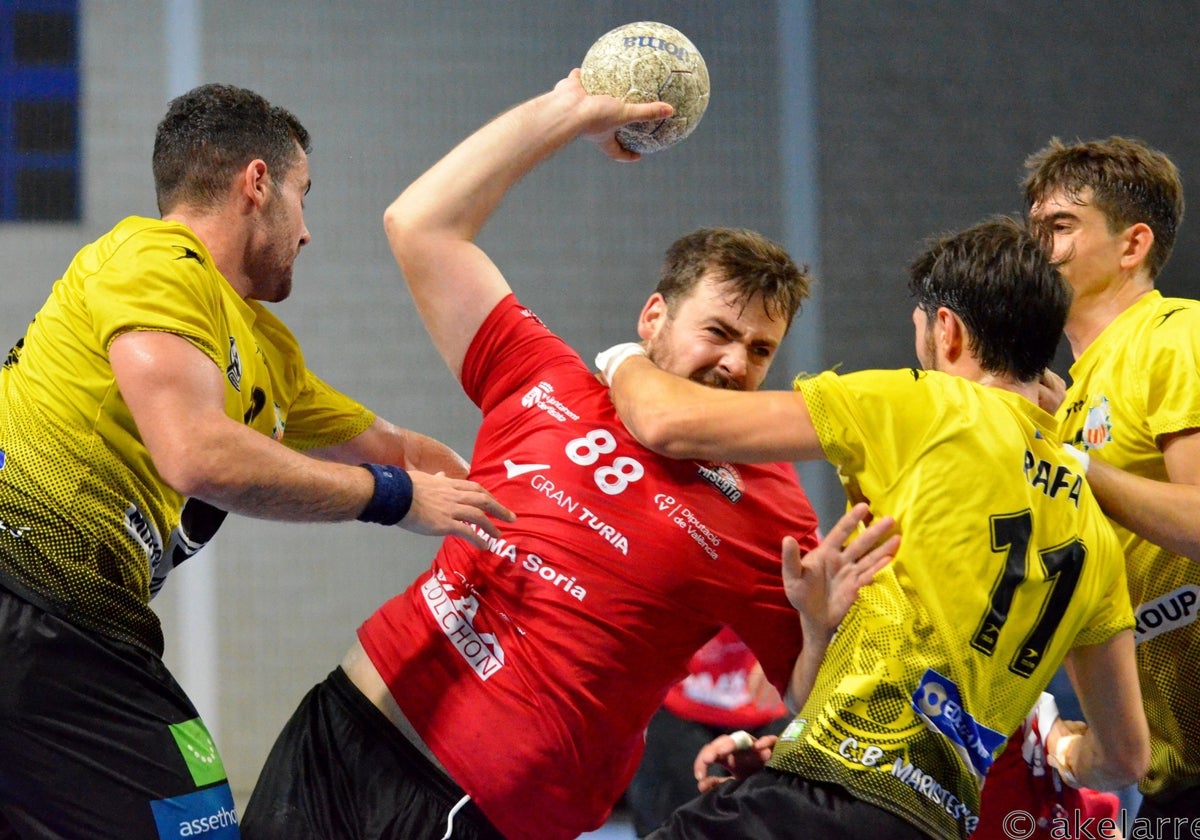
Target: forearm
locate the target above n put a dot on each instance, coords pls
(1113, 749)
(682, 419)
(386, 443)
(1162, 512)
(458, 194)
(808, 663)
(245, 472)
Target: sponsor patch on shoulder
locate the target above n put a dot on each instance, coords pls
(198, 751)
(207, 813)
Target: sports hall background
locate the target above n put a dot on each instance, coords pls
(848, 130)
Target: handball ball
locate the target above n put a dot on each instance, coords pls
(649, 62)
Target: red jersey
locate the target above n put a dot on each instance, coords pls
(718, 689)
(1031, 801)
(531, 668)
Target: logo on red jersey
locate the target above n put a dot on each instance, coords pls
(526, 312)
(725, 478)
(541, 396)
(455, 610)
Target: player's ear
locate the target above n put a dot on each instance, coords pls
(1139, 239)
(253, 183)
(951, 334)
(654, 315)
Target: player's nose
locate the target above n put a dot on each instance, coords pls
(734, 363)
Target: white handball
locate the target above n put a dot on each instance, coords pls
(649, 62)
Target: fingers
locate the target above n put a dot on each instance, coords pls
(739, 752)
(878, 557)
(715, 751)
(850, 520)
(450, 506)
(707, 783)
(1052, 389)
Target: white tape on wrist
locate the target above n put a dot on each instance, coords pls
(1059, 761)
(1084, 459)
(607, 361)
(1046, 711)
(742, 740)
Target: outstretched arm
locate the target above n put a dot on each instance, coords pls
(823, 584)
(176, 396)
(682, 419)
(432, 225)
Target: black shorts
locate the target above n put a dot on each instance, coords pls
(1178, 805)
(664, 778)
(773, 804)
(97, 740)
(341, 769)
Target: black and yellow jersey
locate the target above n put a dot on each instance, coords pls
(1138, 381)
(88, 529)
(1006, 563)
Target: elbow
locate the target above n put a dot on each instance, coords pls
(1135, 765)
(187, 471)
(184, 481)
(396, 222)
(1126, 766)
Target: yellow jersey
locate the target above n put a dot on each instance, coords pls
(1006, 563)
(88, 528)
(1140, 380)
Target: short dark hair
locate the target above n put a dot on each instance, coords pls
(210, 133)
(747, 262)
(997, 276)
(1130, 183)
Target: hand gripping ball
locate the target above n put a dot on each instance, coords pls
(649, 62)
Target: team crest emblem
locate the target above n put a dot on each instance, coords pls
(1097, 428)
(725, 478)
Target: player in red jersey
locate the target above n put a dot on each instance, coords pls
(507, 690)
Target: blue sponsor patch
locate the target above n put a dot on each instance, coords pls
(3, 458)
(207, 813)
(938, 702)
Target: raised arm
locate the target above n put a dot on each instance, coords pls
(432, 225)
(682, 419)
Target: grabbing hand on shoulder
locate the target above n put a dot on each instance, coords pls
(1051, 391)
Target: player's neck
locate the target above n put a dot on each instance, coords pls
(1028, 390)
(1093, 310)
(223, 236)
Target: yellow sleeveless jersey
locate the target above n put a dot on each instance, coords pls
(88, 529)
(1006, 562)
(1138, 381)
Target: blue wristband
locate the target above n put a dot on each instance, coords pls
(393, 495)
